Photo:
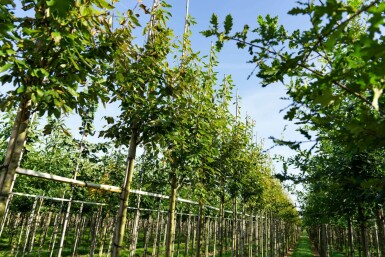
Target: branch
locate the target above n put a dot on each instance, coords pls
(315, 72)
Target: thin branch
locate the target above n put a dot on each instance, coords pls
(319, 74)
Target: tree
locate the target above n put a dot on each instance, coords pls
(41, 57)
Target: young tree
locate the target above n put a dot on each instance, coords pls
(42, 60)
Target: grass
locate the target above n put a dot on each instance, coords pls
(303, 247)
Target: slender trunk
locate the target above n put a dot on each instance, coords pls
(104, 234)
(156, 236)
(95, 230)
(272, 235)
(135, 229)
(35, 226)
(234, 228)
(250, 234)
(180, 226)
(188, 235)
(123, 205)
(170, 234)
(363, 232)
(23, 224)
(29, 226)
(207, 237)
(242, 231)
(68, 211)
(147, 234)
(13, 154)
(375, 239)
(215, 236)
(221, 236)
(199, 230)
(257, 237)
(77, 230)
(381, 230)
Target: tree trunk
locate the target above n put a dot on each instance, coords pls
(95, 230)
(363, 232)
(221, 236)
(199, 230)
(250, 235)
(77, 230)
(135, 229)
(123, 205)
(43, 236)
(187, 242)
(324, 243)
(207, 237)
(234, 228)
(13, 154)
(156, 236)
(170, 234)
(381, 230)
(35, 226)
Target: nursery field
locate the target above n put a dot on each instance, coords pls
(123, 133)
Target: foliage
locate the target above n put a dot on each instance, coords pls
(54, 57)
(333, 70)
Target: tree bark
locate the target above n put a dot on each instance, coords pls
(234, 228)
(199, 230)
(363, 232)
(187, 242)
(324, 243)
(170, 234)
(221, 237)
(13, 154)
(124, 196)
(381, 230)
(350, 238)
(135, 229)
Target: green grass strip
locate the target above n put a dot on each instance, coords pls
(303, 247)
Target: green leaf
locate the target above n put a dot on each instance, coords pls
(21, 89)
(72, 91)
(5, 67)
(228, 24)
